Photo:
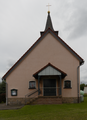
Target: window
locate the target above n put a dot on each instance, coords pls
(14, 92)
(67, 84)
(32, 85)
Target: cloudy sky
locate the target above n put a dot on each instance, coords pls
(22, 20)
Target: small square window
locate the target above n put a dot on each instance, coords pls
(14, 92)
(32, 85)
(67, 84)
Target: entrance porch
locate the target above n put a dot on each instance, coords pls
(49, 86)
(49, 80)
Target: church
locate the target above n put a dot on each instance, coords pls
(48, 73)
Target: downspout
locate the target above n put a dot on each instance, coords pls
(78, 82)
(6, 91)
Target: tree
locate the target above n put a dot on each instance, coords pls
(2, 92)
(82, 86)
(2, 87)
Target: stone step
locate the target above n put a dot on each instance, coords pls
(46, 100)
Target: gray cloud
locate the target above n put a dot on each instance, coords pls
(10, 63)
(84, 70)
(84, 79)
(78, 27)
(76, 18)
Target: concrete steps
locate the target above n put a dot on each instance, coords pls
(46, 100)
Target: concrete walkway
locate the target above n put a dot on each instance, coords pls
(8, 107)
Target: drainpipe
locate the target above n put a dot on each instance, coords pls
(78, 82)
(6, 91)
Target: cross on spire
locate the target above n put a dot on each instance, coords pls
(48, 7)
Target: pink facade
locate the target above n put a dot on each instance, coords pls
(48, 50)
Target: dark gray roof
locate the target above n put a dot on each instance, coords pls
(49, 23)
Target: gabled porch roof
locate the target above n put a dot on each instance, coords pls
(49, 69)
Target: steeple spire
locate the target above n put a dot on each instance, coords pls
(49, 22)
(49, 25)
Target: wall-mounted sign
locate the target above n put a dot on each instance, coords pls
(14, 92)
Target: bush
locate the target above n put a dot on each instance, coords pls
(82, 86)
(85, 95)
(2, 97)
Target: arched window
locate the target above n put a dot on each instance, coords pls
(67, 84)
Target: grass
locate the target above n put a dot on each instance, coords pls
(47, 112)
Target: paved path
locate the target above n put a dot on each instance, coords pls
(8, 107)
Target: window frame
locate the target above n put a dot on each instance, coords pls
(69, 85)
(15, 91)
(34, 85)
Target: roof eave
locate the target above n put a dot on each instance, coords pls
(82, 62)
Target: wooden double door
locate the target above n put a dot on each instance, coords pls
(49, 87)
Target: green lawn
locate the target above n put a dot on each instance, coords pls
(47, 112)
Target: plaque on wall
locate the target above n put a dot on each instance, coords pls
(14, 92)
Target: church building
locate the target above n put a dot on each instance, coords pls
(48, 73)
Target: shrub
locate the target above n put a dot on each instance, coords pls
(82, 86)
(2, 97)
